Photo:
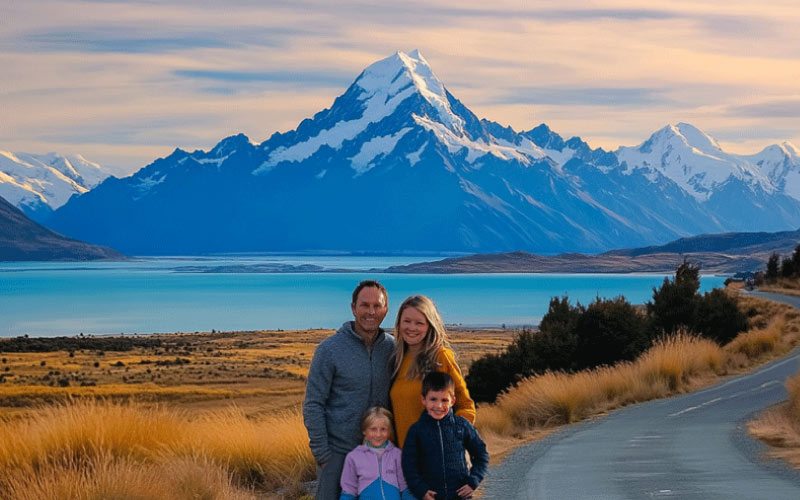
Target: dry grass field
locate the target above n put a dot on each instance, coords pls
(211, 416)
(258, 372)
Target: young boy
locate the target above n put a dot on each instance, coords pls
(434, 463)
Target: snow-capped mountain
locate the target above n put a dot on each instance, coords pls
(397, 163)
(781, 164)
(38, 184)
(691, 159)
(741, 192)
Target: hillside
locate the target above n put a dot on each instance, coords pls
(22, 239)
(726, 253)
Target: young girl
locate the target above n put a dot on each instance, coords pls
(373, 470)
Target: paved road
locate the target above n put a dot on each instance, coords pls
(688, 447)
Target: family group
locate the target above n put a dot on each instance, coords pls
(390, 417)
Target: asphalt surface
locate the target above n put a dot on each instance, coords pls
(693, 446)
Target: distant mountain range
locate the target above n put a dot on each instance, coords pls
(397, 163)
(39, 184)
(21, 239)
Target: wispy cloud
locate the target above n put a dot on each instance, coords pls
(591, 96)
(138, 76)
(324, 79)
(780, 108)
(107, 40)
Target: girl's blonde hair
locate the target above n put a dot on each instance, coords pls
(435, 338)
(373, 414)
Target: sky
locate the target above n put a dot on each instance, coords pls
(124, 83)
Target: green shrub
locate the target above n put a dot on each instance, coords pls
(488, 376)
(608, 331)
(674, 304)
(718, 317)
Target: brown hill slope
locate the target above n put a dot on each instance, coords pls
(23, 239)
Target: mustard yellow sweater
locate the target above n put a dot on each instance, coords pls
(406, 395)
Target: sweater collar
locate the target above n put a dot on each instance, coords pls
(349, 328)
(366, 449)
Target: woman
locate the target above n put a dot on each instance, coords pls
(422, 347)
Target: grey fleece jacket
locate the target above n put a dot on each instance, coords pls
(344, 380)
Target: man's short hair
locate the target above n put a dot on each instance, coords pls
(370, 283)
(437, 381)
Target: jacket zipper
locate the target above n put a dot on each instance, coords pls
(444, 467)
(380, 474)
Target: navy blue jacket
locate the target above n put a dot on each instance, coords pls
(434, 459)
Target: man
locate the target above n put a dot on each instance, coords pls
(350, 372)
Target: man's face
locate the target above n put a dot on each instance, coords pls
(438, 403)
(369, 310)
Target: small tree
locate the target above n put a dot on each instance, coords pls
(610, 330)
(787, 267)
(488, 376)
(673, 305)
(796, 259)
(772, 268)
(718, 317)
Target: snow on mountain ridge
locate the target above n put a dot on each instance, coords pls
(382, 95)
(781, 164)
(384, 85)
(31, 181)
(403, 69)
(692, 159)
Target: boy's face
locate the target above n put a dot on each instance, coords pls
(438, 403)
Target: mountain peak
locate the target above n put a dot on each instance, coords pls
(697, 138)
(688, 135)
(400, 72)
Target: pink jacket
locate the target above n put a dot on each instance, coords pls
(370, 475)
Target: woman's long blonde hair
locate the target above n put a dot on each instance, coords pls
(435, 338)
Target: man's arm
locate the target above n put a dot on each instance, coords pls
(318, 388)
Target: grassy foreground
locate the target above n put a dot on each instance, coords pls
(93, 449)
(185, 416)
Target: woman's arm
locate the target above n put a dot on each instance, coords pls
(465, 406)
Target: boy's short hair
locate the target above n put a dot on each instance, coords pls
(437, 381)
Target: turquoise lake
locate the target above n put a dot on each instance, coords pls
(153, 296)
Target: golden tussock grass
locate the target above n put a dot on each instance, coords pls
(555, 398)
(759, 341)
(106, 478)
(146, 452)
(779, 427)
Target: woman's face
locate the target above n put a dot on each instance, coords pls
(413, 326)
